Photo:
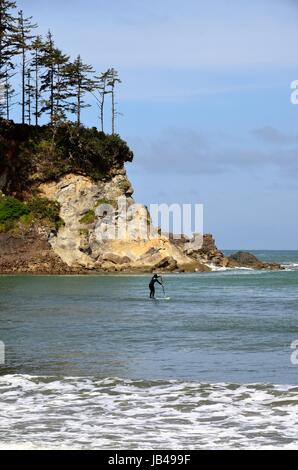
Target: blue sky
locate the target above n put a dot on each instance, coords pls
(205, 101)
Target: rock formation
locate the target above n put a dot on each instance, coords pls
(87, 242)
(90, 211)
(80, 172)
(248, 260)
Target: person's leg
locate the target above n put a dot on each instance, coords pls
(153, 292)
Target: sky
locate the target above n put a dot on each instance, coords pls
(204, 102)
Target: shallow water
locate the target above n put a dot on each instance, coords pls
(91, 362)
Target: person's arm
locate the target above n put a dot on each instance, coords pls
(160, 283)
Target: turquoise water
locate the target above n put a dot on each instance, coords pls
(91, 362)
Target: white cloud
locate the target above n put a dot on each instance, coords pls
(186, 152)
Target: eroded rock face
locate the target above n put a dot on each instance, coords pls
(96, 216)
(30, 252)
(105, 230)
(204, 249)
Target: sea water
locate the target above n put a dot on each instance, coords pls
(91, 362)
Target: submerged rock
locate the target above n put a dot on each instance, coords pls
(248, 260)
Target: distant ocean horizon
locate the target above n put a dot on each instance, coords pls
(93, 363)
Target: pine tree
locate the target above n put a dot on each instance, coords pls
(23, 39)
(47, 79)
(54, 62)
(78, 78)
(7, 44)
(36, 63)
(10, 94)
(7, 93)
(50, 83)
(60, 85)
(29, 95)
(101, 83)
(112, 82)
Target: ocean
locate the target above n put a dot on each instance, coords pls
(93, 363)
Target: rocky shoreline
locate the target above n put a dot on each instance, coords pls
(58, 217)
(31, 253)
(83, 243)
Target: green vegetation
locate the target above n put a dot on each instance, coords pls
(105, 201)
(88, 218)
(51, 88)
(11, 209)
(55, 89)
(52, 83)
(45, 210)
(14, 212)
(33, 154)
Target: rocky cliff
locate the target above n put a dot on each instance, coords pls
(86, 240)
(67, 207)
(91, 213)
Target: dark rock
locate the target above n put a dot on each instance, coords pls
(31, 253)
(168, 263)
(248, 260)
(244, 258)
(152, 251)
(116, 259)
(203, 249)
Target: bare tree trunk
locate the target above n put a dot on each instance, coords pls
(102, 111)
(23, 84)
(113, 111)
(7, 98)
(52, 95)
(29, 99)
(36, 90)
(79, 105)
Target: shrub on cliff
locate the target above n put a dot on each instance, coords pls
(45, 210)
(36, 154)
(13, 211)
(88, 218)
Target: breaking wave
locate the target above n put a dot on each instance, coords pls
(89, 413)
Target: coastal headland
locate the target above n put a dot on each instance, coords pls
(59, 204)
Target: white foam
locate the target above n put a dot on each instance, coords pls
(214, 267)
(290, 266)
(87, 413)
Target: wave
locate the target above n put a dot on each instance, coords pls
(290, 266)
(286, 266)
(214, 268)
(112, 413)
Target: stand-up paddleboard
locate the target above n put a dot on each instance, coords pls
(164, 292)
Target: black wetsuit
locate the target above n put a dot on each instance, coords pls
(152, 287)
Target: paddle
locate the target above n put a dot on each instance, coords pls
(163, 288)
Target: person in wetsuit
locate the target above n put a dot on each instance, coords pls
(152, 285)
